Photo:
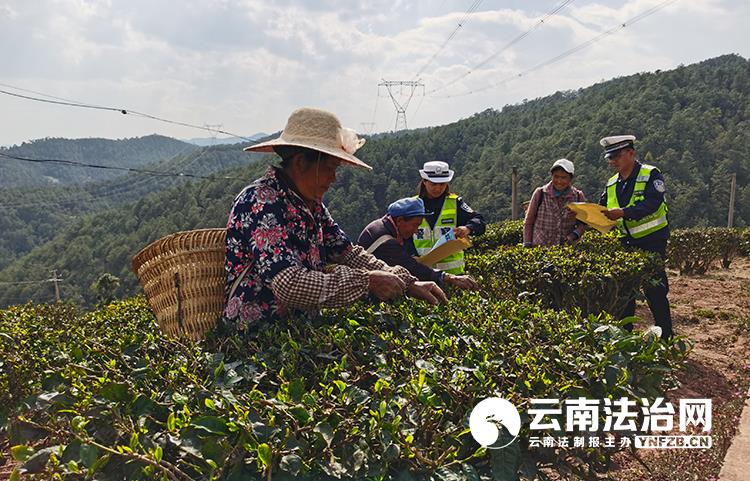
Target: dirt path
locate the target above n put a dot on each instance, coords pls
(6, 466)
(713, 311)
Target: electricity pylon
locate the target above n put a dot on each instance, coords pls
(408, 86)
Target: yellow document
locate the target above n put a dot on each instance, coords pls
(592, 215)
(441, 252)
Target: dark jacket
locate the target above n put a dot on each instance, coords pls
(393, 252)
(657, 241)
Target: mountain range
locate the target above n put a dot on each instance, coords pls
(692, 122)
(209, 141)
(124, 153)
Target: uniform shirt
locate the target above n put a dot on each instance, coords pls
(466, 215)
(653, 197)
(393, 252)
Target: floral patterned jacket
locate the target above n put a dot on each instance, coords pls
(285, 246)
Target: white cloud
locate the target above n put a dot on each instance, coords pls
(7, 12)
(248, 63)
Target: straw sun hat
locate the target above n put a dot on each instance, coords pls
(318, 130)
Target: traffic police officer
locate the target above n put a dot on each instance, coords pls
(449, 213)
(634, 197)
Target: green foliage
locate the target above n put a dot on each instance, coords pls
(745, 242)
(691, 122)
(32, 217)
(105, 287)
(696, 250)
(597, 275)
(728, 241)
(505, 233)
(107, 241)
(377, 392)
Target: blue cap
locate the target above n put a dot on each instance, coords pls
(408, 207)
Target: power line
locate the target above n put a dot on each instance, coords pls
(472, 8)
(496, 54)
(566, 53)
(16, 283)
(99, 191)
(109, 167)
(106, 188)
(401, 111)
(81, 196)
(421, 99)
(504, 48)
(114, 183)
(73, 103)
(44, 95)
(375, 110)
(461, 22)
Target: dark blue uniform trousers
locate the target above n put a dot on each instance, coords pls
(656, 294)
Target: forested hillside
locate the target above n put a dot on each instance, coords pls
(134, 152)
(692, 122)
(33, 216)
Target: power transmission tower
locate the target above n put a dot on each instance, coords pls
(56, 280)
(214, 130)
(401, 86)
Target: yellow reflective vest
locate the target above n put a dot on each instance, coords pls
(641, 227)
(425, 237)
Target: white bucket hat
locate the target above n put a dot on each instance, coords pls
(318, 130)
(437, 172)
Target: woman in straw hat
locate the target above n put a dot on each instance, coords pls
(280, 236)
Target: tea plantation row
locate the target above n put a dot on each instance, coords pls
(375, 391)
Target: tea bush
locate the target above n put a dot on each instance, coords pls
(728, 242)
(377, 392)
(745, 242)
(597, 275)
(505, 233)
(696, 250)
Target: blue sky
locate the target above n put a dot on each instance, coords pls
(247, 64)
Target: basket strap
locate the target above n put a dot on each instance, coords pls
(379, 242)
(237, 281)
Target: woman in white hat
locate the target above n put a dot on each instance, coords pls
(280, 236)
(548, 221)
(449, 214)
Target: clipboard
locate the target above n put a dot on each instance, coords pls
(443, 251)
(592, 215)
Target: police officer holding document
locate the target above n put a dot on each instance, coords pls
(450, 216)
(635, 199)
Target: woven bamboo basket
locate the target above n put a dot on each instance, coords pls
(183, 278)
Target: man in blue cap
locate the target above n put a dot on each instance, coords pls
(384, 238)
(634, 197)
